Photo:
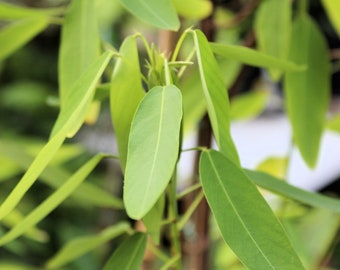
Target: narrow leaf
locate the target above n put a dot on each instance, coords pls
(245, 220)
(273, 17)
(52, 201)
(81, 245)
(332, 8)
(201, 10)
(280, 187)
(66, 121)
(153, 149)
(125, 94)
(253, 58)
(159, 13)
(129, 255)
(307, 92)
(17, 34)
(216, 96)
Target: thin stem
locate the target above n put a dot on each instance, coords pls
(191, 209)
(170, 262)
(182, 69)
(167, 71)
(178, 46)
(158, 252)
(198, 148)
(188, 190)
(146, 44)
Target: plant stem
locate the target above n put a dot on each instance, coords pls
(188, 190)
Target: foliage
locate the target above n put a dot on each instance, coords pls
(155, 99)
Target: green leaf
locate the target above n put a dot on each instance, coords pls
(245, 220)
(125, 94)
(253, 58)
(78, 50)
(216, 96)
(159, 13)
(129, 255)
(332, 8)
(273, 30)
(248, 105)
(201, 10)
(153, 149)
(52, 201)
(81, 245)
(9, 12)
(17, 34)
(280, 187)
(83, 92)
(307, 92)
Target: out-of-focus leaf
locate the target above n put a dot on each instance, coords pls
(9, 12)
(280, 187)
(307, 92)
(254, 58)
(273, 30)
(52, 201)
(332, 8)
(129, 255)
(334, 123)
(81, 245)
(193, 9)
(159, 13)
(9, 168)
(248, 105)
(17, 34)
(8, 265)
(216, 96)
(245, 220)
(83, 92)
(153, 149)
(125, 94)
(78, 50)
(153, 220)
(276, 166)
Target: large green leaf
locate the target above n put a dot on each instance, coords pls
(216, 96)
(332, 8)
(280, 187)
(125, 94)
(159, 13)
(307, 92)
(52, 201)
(79, 48)
(9, 12)
(83, 92)
(245, 220)
(81, 245)
(129, 255)
(153, 149)
(273, 29)
(252, 57)
(201, 10)
(17, 34)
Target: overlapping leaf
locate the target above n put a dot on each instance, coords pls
(201, 10)
(245, 220)
(153, 149)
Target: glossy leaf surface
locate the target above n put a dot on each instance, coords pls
(280, 187)
(216, 96)
(81, 245)
(273, 30)
(153, 149)
(159, 13)
(17, 34)
(129, 255)
(51, 202)
(245, 220)
(125, 94)
(201, 10)
(307, 92)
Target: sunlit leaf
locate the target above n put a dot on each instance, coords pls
(216, 96)
(129, 255)
(193, 9)
(159, 13)
(273, 30)
(254, 58)
(81, 245)
(83, 92)
(17, 34)
(125, 94)
(307, 92)
(153, 149)
(245, 220)
(276, 166)
(280, 187)
(332, 8)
